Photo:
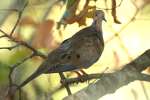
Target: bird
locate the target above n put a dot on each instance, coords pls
(78, 52)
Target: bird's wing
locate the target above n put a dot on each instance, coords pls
(55, 57)
(78, 51)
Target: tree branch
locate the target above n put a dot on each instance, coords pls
(21, 43)
(110, 82)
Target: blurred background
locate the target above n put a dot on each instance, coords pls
(46, 23)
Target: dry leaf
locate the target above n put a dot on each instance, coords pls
(114, 12)
(70, 17)
(43, 37)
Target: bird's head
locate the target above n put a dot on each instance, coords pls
(99, 15)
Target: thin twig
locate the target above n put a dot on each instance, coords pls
(24, 44)
(12, 68)
(16, 10)
(18, 19)
(112, 7)
(83, 78)
(125, 26)
(23, 60)
(10, 48)
(65, 84)
(20, 94)
(144, 90)
(2, 36)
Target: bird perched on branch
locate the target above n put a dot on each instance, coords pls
(78, 52)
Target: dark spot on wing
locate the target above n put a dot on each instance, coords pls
(69, 57)
(78, 56)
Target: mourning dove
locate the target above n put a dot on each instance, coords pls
(78, 52)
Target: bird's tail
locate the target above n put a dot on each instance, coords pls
(42, 69)
(30, 78)
(13, 89)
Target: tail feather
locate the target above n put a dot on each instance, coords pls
(30, 78)
(12, 90)
(42, 69)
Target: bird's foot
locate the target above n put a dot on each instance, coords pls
(83, 72)
(79, 75)
(85, 75)
(82, 75)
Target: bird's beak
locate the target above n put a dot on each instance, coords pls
(104, 19)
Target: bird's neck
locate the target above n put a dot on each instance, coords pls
(97, 25)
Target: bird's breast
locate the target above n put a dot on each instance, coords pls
(90, 53)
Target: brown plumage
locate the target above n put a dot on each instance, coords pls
(80, 51)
